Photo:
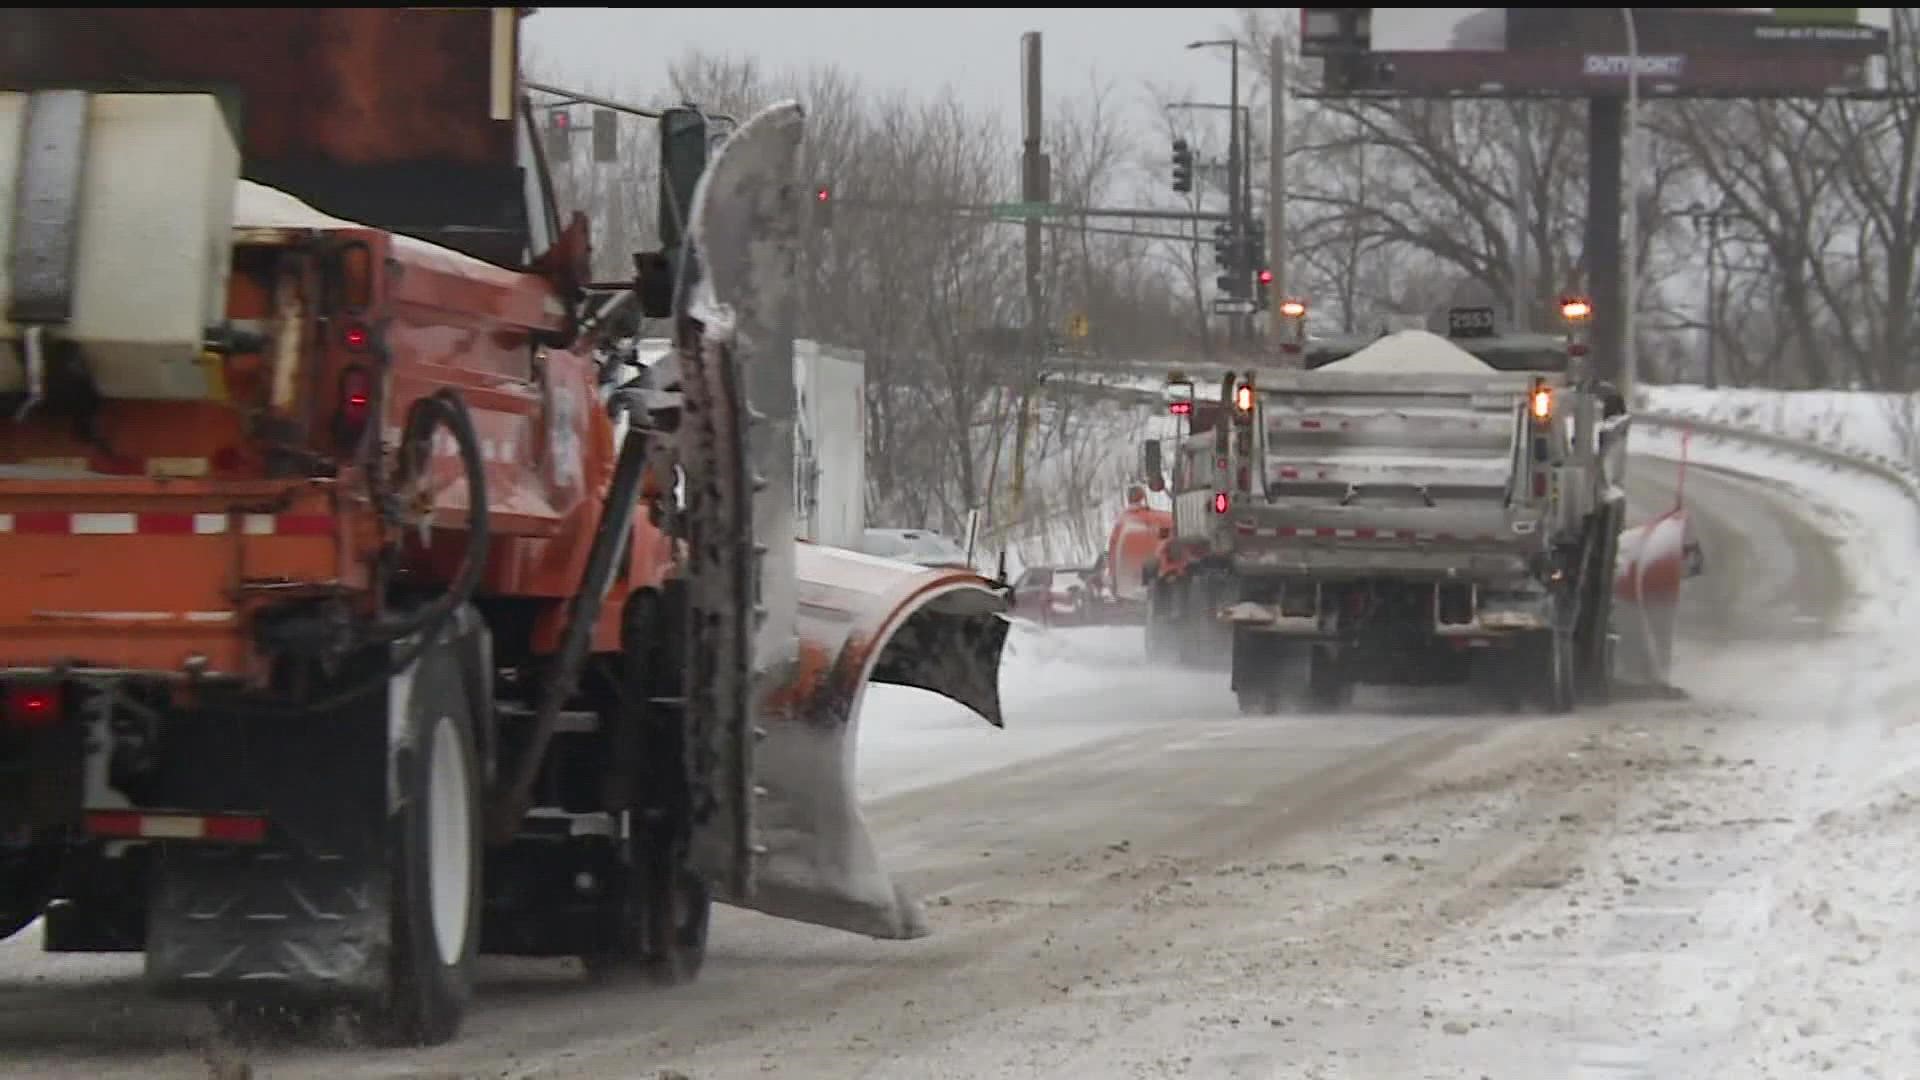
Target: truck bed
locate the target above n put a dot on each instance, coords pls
(1386, 473)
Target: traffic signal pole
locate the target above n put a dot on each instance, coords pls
(1236, 208)
(1277, 181)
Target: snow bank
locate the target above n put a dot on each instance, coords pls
(1875, 525)
(1855, 421)
(257, 206)
(1409, 352)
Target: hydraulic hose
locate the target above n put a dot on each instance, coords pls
(444, 407)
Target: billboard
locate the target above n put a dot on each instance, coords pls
(1582, 52)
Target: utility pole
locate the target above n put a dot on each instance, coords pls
(1237, 168)
(1277, 183)
(1711, 219)
(1237, 247)
(1522, 317)
(1035, 187)
(1713, 314)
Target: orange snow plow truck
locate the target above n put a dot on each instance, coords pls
(359, 615)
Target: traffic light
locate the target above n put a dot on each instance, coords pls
(823, 206)
(606, 136)
(1182, 166)
(559, 127)
(1222, 246)
(1257, 265)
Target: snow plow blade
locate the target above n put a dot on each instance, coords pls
(861, 620)
(1646, 599)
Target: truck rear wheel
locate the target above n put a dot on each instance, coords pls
(435, 866)
(26, 881)
(1553, 661)
(1329, 684)
(1259, 672)
(1159, 629)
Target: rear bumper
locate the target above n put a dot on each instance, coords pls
(1491, 616)
(1385, 544)
(1380, 559)
(157, 577)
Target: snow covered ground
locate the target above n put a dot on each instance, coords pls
(1721, 887)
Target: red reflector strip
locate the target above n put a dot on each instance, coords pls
(60, 523)
(135, 825)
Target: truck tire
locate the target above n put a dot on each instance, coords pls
(26, 882)
(436, 846)
(1162, 635)
(388, 932)
(1554, 660)
(1329, 686)
(657, 923)
(1259, 674)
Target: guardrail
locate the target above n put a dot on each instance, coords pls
(1883, 468)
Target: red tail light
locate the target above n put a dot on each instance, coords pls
(355, 337)
(355, 406)
(30, 708)
(1220, 502)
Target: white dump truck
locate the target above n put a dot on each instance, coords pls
(1417, 509)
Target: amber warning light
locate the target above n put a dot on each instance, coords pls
(1243, 397)
(1293, 309)
(1542, 403)
(1574, 309)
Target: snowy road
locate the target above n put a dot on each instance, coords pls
(1133, 880)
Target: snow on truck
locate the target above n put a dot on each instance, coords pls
(1412, 510)
(362, 614)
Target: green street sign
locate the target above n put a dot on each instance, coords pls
(1817, 16)
(1020, 211)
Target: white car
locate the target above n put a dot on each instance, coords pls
(915, 546)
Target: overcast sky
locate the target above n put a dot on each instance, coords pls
(977, 50)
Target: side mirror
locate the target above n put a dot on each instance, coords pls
(1152, 466)
(653, 280)
(683, 157)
